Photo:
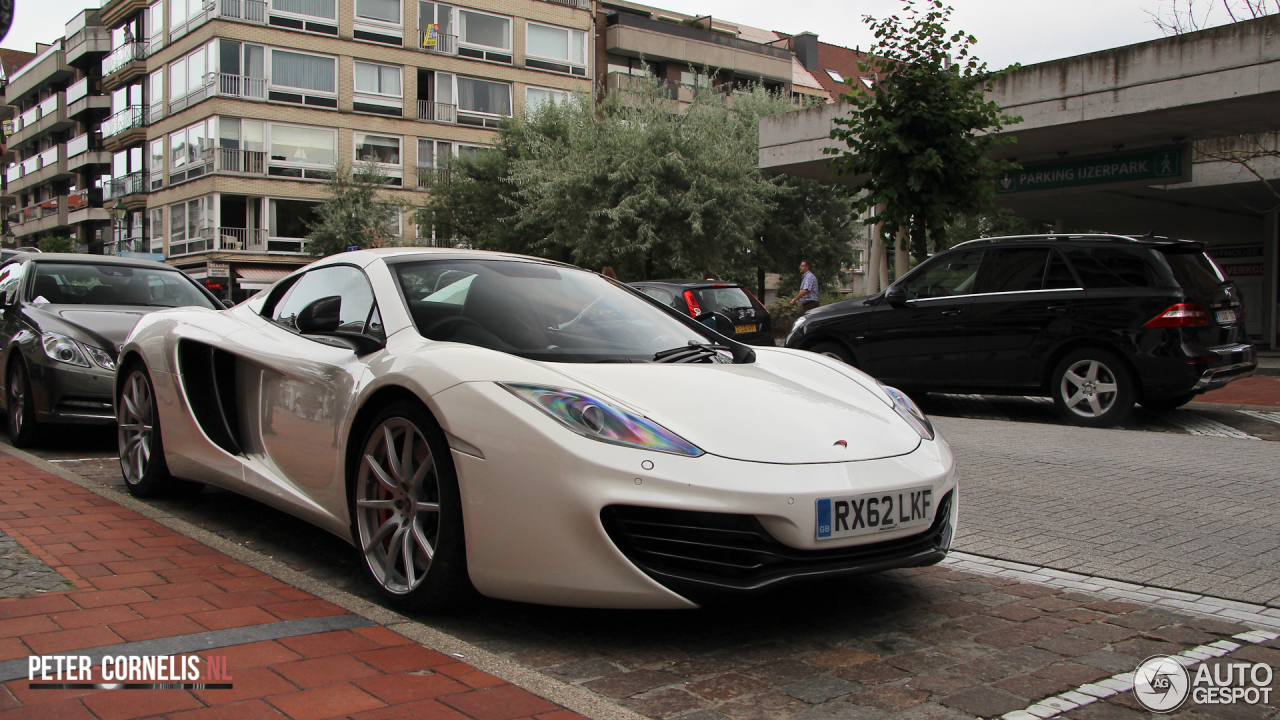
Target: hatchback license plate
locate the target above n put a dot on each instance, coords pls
(853, 515)
(1226, 317)
(739, 329)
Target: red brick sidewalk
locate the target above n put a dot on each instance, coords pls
(138, 580)
(1257, 390)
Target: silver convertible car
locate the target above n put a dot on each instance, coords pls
(480, 421)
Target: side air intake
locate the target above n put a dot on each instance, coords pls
(209, 380)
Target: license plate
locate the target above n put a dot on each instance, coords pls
(852, 515)
(1226, 317)
(739, 329)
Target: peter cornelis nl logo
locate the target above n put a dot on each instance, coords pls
(129, 672)
(1162, 683)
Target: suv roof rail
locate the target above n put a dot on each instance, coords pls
(1150, 237)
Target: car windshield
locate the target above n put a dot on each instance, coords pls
(723, 298)
(536, 311)
(85, 284)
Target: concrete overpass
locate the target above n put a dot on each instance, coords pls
(1130, 140)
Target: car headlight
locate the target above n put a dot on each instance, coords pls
(599, 420)
(63, 349)
(798, 324)
(101, 357)
(909, 411)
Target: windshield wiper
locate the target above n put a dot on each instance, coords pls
(693, 352)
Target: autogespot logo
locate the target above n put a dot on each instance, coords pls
(1161, 683)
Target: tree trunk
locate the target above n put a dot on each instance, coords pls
(919, 241)
(901, 261)
(760, 284)
(871, 273)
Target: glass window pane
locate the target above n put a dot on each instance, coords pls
(317, 8)
(480, 29)
(390, 80)
(444, 88)
(177, 13)
(229, 57)
(253, 61)
(951, 275)
(178, 148)
(157, 87)
(229, 133)
(577, 47)
(291, 218)
(547, 42)
(366, 77)
(196, 141)
(1016, 270)
(381, 148)
(178, 221)
(347, 283)
(426, 153)
(302, 145)
(484, 97)
(535, 97)
(195, 70)
(306, 72)
(384, 10)
(157, 155)
(177, 79)
(195, 217)
(251, 130)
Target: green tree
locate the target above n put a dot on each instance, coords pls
(55, 244)
(358, 213)
(923, 135)
(991, 223)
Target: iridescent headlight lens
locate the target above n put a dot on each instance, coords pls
(63, 349)
(599, 420)
(909, 411)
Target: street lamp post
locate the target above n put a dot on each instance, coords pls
(117, 212)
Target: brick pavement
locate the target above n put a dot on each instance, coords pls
(134, 580)
(1260, 390)
(1194, 514)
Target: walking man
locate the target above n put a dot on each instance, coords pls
(808, 295)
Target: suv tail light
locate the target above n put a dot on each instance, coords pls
(1180, 315)
(694, 308)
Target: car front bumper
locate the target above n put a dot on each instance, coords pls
(540, 505)
(64, 393)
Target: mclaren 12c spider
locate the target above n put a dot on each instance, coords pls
(476, 421)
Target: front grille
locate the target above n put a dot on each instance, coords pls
(692, 552)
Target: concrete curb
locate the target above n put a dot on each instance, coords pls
(579, 700)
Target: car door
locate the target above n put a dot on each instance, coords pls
(922, 344)
(299, 388)
(1027, 300)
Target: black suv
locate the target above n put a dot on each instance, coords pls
(1097, 322)
(736, 312)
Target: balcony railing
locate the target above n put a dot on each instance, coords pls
(49, 157)
(131, 184)
(77, 90)
(579, 4)
(130, 117)
(122, 56)
(443, 44)
(127, 244)
(28, 118)
(241, 161)
(31, 165)
(248, 239)
(77, 145)
(254, 11)
(48, 207)
(50, 104)
(249, 88)
(437, 112)
(428, 176)
(78, 200)
(14, 172)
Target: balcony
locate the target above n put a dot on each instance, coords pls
(122, 187)
(428, 176)
(247, 162)
(441, 44)
(49, 67)
(576, 4)
(127, 119)
(41, 217)
(240, 86)
(429, 111)
(250, 11)
(83, 97)
(127, 244)
(49, 116)
(123, 58)
(114, 12)
(38, 170)
(637, 36)
(90, 39)
(84, 150)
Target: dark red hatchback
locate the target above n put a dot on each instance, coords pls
(737, 312)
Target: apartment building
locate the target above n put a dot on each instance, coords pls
(227, 117)
(55, 157)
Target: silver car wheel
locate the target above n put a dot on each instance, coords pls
(833, 356)
(135, 425)
(1089, 388)
(397, 505)
(17, 401)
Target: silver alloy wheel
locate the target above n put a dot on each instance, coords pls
(135, 424)
(398, 505)
(833, 356)
(1089, 388)
(17, 401)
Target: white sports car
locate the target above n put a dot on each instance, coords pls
(537, 432)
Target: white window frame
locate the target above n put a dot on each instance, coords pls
(269, 63)
(271, 9)
(586, 49)
(378, 98)
(395, 170)
(155, 233)
(509, 50)
(561, 91)
(269, 129)
(375, 22)
(511, 100)
(267, 205)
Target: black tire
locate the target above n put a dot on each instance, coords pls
(1092, 388)
(1172, 402)
(390, 513)
(835, 351)
(140, 445)
(24, 430)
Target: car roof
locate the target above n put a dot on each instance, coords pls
(85, 259)
(1148, 239)
(363, 258)
(690, 283)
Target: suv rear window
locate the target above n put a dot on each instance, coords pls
(1195, 271)
(721, 299)
(1114, 267)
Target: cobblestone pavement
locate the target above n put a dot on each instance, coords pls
(927, 644)
(22, 573)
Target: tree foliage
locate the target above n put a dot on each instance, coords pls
(632, 183)
(58, 244)
(357, 213)
(923, 135)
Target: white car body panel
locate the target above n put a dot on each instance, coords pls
(533, 491)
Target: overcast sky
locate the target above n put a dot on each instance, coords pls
(1008, 31)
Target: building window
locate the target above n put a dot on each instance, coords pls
(484, 36)
(327, 9)
(624, 65)
(314, 77)
(156, 236)
(156, 180)
(378, 88)
(555, 48)
(289, 223)
(190, 152)
(301, 152)
(482, 98)
(379, 21)
(188, 229)
(155, 27)
(382, 149)
(536, 96)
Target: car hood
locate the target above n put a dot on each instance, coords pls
(102, 326)
(783, 408)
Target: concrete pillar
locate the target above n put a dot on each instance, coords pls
(871, 271)
(1058, 226)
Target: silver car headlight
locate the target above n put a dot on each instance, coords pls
(909, 411)
(63, 349)
(799, 323)
(599, 420)
(101, 357)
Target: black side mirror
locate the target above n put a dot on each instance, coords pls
(320, 316)
(895, 296)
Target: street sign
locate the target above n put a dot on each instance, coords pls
(353, 248)
(1151, 167)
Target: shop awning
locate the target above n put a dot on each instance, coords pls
(262, 274)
